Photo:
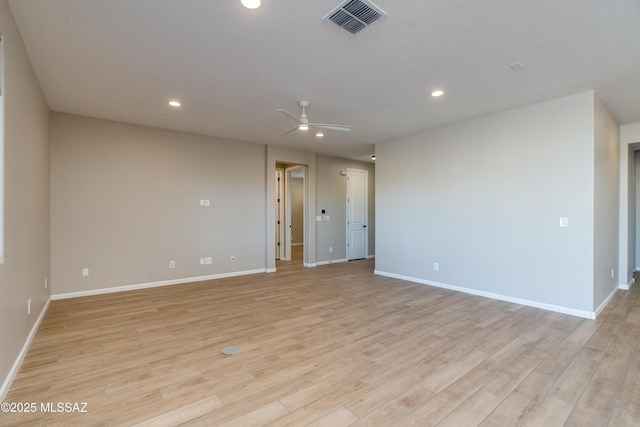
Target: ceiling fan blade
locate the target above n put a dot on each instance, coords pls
(291, 116)
(344, 128)
(289, 130)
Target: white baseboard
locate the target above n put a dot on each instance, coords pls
(154, 284)
(332, 261)
(606, 301)
(521, 301)
(628, 285)
(6, 385)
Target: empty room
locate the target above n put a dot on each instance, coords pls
(327, 213)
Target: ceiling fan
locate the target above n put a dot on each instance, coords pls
(302, 123)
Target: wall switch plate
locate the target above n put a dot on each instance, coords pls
(319, 218)
(327, 218)
(613, 273)
(201, 261)
(29, 307)
(208, 260)
(207, 202)
(330, 249)
(436, 266)
(233, 258)
(85, 272)
(564, 222)
(172, 264)
(46, 283)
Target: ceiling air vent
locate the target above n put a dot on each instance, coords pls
(354, 15)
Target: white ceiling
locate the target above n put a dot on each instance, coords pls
(232, 68)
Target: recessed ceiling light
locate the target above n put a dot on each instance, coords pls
(319, 134)
(437, 93)
(174, 103)
(251, 4)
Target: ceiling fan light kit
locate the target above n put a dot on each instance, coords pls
(251, 4)
(302, 123)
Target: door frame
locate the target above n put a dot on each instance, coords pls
(280, 155)
(288, 191)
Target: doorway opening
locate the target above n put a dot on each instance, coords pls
(290, 220)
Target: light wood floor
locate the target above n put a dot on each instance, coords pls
(329, 346)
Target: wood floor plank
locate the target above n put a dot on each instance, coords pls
(516, 406)
(397, 408)
(574, 379)
(473, 411)
(630, 391)
(332, 345)
(445, 402)
(339, 417)
(550, 412)
(625, 414)
(182, 414)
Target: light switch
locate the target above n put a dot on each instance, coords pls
(327, 218)
(564, 222)
(318, 218)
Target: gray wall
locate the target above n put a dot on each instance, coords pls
(332, 196)
(636, 212)
(26, 192)
(126, 201)
(483, 199)
(606, 202)
(629, 142)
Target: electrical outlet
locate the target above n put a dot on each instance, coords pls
(172, 264)
(201, 261)
(85, 272)
(436, 266)
(330, 249)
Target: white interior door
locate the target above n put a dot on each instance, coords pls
(357, 199)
